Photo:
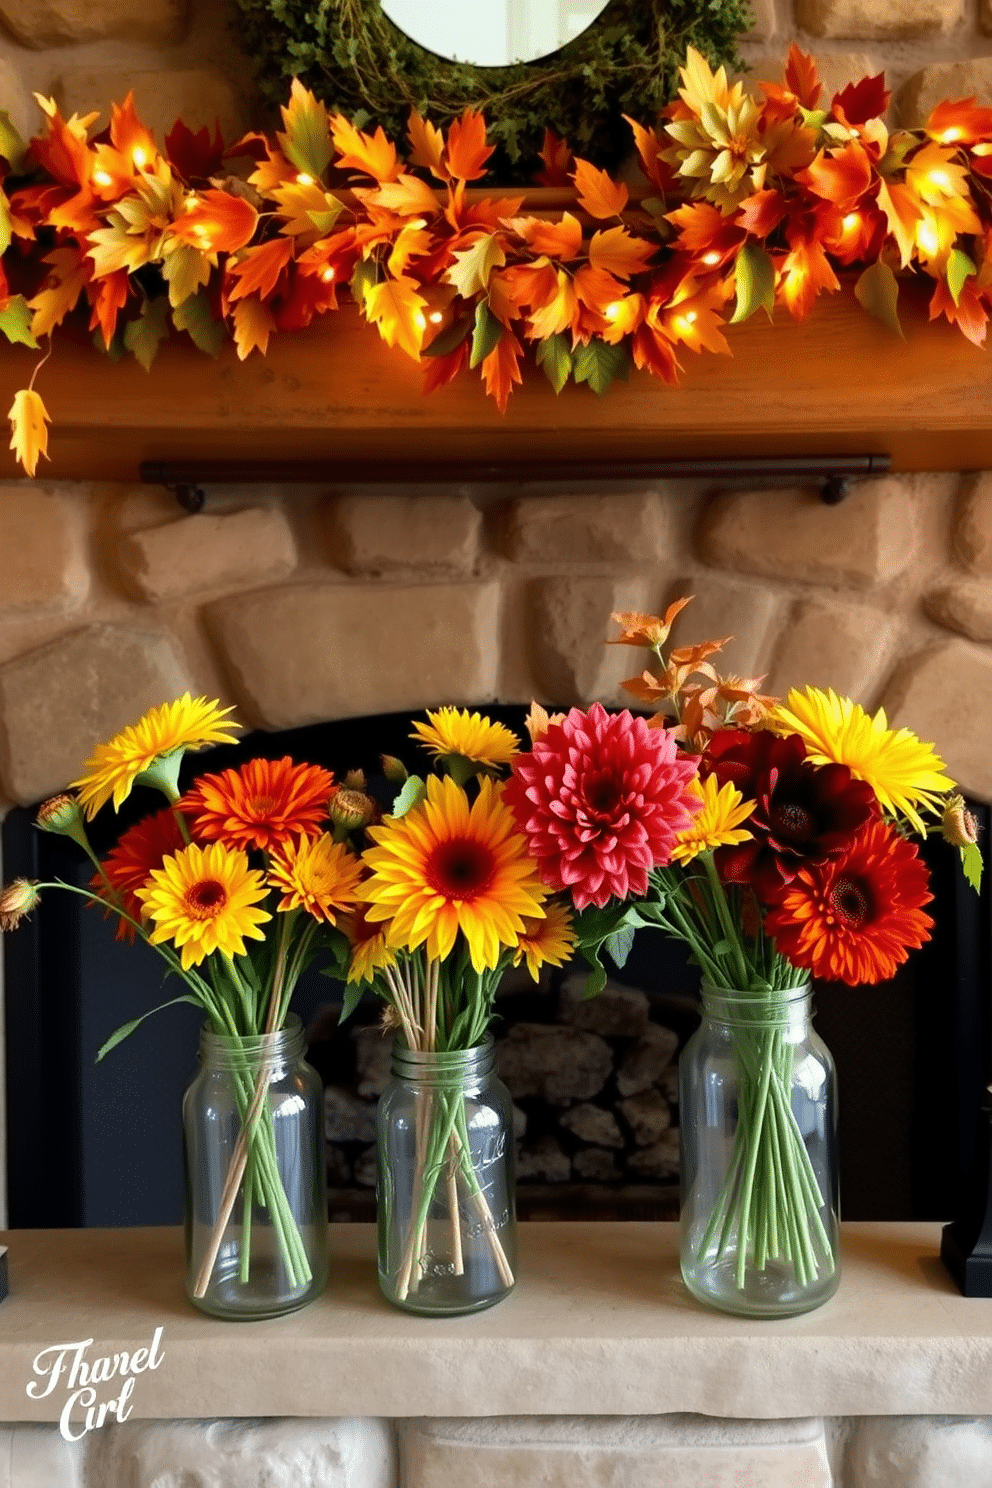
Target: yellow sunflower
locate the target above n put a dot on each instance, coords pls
(903, 772)
(717, 824)
(203, 899)
(546, 942)
(369, 951)
(456, 731)
(316, 874)
(187, 723)
(448, 866)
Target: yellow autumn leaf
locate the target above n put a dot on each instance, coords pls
(28, 416)
(254, 323)
(116, 247)
(60, 292)
(472, 266)
(561, 313)
(306, 141)
(184, 269)
(428, 145)
(398, 310)
(412, 241)
(308, 209)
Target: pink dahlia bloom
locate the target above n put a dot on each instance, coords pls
(601, 799)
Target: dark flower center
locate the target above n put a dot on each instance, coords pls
(602, 793)
(460, 869)
(260, 807)
(850, 902)
(791, 822)
(205, 898)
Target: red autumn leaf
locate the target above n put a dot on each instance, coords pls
(251, 146)
(466, 152)
(762, 212)
(219, 223)
(598, 193)
(333, 258)
(800, 74)
(960, 123)
(128, 135)
(373, 154)
(195, 156)
(969, 314)
(444, 369)
(864, 100)
(501, 369)
(304, 296)
(656, 354)
(107, 296)
(805, 271)
(557, 156)
(258, 272)
(842, 177)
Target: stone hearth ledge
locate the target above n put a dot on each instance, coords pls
(599, 1324)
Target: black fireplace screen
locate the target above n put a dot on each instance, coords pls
(99, 1144)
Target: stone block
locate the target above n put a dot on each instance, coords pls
(39, 1457)
(570, 624)
(403, 534)
(41, 548)
(560, 1065)
(61, 699)
(593, 1124)
(985, 17)
(970, 78)
(675, 1451)
(878, 20)
(207, 551)
(720, 607)
(648, 1115)
(544, 1162)
(52, 23)
(835, 69)
(958, 675)
(365, 1168)
(313, 652)
(764, 22)
(920, 1452)
(270, 1453)
(25, 114)
(197, 95)
(595, 1165)
(827, 643)
(643, 1065)
(660, 1159)
(965, 606)
(346, 1118)
(616, 1012)
(623, 528)
(866, 540)
(973, 526)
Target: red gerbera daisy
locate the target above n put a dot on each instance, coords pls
(129, 865)
(856, 918)
(265, 803)
(601, 799)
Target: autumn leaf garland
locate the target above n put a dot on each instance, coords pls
(752, 203)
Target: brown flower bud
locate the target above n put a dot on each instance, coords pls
(61, 814)
(354, 780)
(959, 826)
(394, 769)
(351, 809)
(17, 900)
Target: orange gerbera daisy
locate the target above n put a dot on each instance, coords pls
(128, 866)
(318, 875)
(855, 918)
(265, 803)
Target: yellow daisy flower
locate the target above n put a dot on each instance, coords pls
(447, 867)
(203, 899)
(903, 772)
(546, 942)
(316, 874)
(716, 825)
(369, 951)
(187, 723)
(456, 731)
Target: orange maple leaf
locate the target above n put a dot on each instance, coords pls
(62, 151)
(108, 296)
(408, 195)
(969, 314)
(501, 369)
(761, 212)
(804, 272)
(650, 149)
(258, 271)
(466, 152)
(961, 123)
(618, 252)
(129, 136)
(373, 154)
(397, 308)
(598, 193)
(439, 371)
(557, 156)
(902, 212)
(560, 313)
(427, 143)
(526, 284)
(654, 353)
(219, 223)
(841, 177)
(561, 240)
(694, 319)
(800, 75)
(254, 323)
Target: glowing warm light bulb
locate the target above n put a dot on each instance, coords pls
(850, 222)
(692, 317)
(328, 275)
(926, 236)
(419, 321)
(102, 178)
(435, 317)
(940, 179)
(612, 312)
(140, 157)
(950, 135)
(711, 258)
(304, 179)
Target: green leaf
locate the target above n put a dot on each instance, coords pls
(878, 292)
(15, 322)
(599, 363)
(12, 147)
(6, 226)
(755, 280)
(814, 118)
(959, 268)
(971, 862)
(451, 337)
(487, 335)
(194, 316)
(363, 279)
(596, 980)
(413, 792)
(619, 945)
(116, 351)
(120, 1034)
(324, 221)
(720, 948)
(352, 997)
(555, 355)
(899, 147)
(141, 336)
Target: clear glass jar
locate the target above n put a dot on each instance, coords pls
(256, 1180)
(447, 1224)
(760, 1211)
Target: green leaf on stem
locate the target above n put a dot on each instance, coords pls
(555, 356)
(971, 862)
(599, 363)
(959, 268)
(754, 278)
(413, 792)
(352, 997)
(120, 1034)
(877, 291)
(487, 335)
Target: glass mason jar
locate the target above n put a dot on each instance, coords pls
(447, 1224)
(759, 1214)
(256, 1180)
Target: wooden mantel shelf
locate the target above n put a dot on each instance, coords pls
(840, 383)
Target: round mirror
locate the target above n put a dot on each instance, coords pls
(494, 33)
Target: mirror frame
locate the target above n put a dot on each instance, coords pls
(626, 62)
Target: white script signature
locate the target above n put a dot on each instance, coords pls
(83, 1375)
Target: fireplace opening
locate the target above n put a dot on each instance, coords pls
(594, 1081)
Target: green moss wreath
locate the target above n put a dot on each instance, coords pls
(627, 61)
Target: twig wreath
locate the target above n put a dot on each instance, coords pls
(748, 204)
(352, 57)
